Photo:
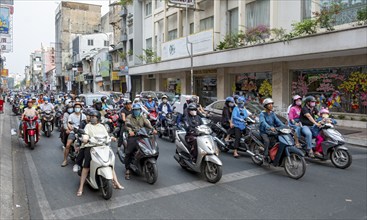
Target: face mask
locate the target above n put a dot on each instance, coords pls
(231, 104)
(164, 101)
(93, 120)
(193, 113)
(299, 102)
(70, 110)
(46, 102)
(77, 110)
(312, 104)
(241, 105)
(136, 113)
(325, 115)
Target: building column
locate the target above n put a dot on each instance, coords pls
(196, 19)
(273, 14)
(179, 24)
(159, 82)
(153, 26)
(242, 16)
(223, 84)
(281, 83)
(165, 23)
(217, 20)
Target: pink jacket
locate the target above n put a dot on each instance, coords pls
(294, 112)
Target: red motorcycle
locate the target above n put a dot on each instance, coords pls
(30, 131)
(112, 120)
(153, 117)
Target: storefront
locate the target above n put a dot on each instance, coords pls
(254, 86)
(341, 89)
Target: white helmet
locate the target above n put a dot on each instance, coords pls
(267, 101)
(67, 101)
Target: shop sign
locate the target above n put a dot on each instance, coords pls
(5, 72)
(115, 76)
(104, 68)
(202, 43)
(124, 70)
(99, 79)
(183, 2)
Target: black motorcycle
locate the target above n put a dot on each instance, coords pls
(47, 122)
(170, 128)
(144, 161)
(16, 108)
(58, 118)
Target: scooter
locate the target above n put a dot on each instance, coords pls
(170, 129)
(101, 166)
(153, 117)
(332, 147)
(47, 122)
(282, 153)
(30, 131)
(58, 118)
(110, 121)
(16, 108)
(144, 161)
(207, 161)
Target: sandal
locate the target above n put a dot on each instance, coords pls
(127, 175)
(64, 163)
(317, 154)
(79, 193)
(310, 154)
(236, 155)
(117, 185)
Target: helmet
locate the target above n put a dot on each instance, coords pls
(103, 98)
(136, 106)
(324, 111)
(229, 99)
(94, 101)
(192, 107)
(296, 97)
(77, 103)
(241, 99)
(267, 101)
(310, 99)
(236, 96)
(127, 101)
(67, 101)
(164, 97)
(194, 99)
(95, 113)
(34, 98)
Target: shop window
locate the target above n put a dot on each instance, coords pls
(258, 13)
(339, 89)
(206, 89)
(254, 86)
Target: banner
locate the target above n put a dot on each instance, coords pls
(5, 72)
(4, 20)
(115, 76)
(104, 69)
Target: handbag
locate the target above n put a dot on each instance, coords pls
(273, 151)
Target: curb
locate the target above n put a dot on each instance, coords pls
(356, 141)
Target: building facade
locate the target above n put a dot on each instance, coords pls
(311, 64)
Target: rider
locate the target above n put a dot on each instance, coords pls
(239, 116)
(98, 105)
(104, 102)
(293, 117)
(46, 106)
(163, 109)
(124, 112)
(227, 117)
(69, 109)
(268, 122)
(35, 104)
(76, 119)
(40, 99)
(307, 118)
(92, 129)
(135, 122)
(150, 104)
(192, 120)
(29, 112)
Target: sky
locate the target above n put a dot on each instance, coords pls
(33, 25)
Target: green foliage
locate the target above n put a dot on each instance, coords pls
(149, 56)
(326, 17)
(341, 117)
(257, 34)
(362, 15)
(305, 27)
(229, 41)
(363, 119)
(122, 55)
(278, 33)
(126, 2)
(130, 52)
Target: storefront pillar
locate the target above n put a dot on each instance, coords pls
(281, 82)
(217, 20)
(223, 84)
(159, 82)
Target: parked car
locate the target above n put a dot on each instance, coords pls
(253, 108)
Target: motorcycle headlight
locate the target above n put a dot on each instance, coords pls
(203, 129)
(285, 130)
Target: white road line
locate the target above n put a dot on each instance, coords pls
(118, 202)
(6, 169)
(43, 203)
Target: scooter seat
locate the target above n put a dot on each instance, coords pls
(182, 138)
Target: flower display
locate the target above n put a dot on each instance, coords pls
(266, 89)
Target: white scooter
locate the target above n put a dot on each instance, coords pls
(101, 166)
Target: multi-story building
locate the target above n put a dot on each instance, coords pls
(49, 68)
(311, 64)
(72, 18)
(36, 70)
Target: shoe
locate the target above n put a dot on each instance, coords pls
(236, 156)
(127, 175)
(64, 163)
(317, 154)
(310, 154)
(76, 168)
(79, 193)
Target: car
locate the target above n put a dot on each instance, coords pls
(157, 96)
(89, 97)
(253, 108)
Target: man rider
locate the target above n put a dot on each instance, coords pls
(46, 106)
(29, 112)
(124, 112)
(76, 119)
(163, 109)
(134, 123)
(191, 121)
(268, 122)
(150, 104)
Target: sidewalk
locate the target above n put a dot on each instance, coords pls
(354, 136)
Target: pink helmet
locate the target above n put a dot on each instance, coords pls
(324, 111)
(296, 97)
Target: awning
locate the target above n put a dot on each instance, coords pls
(117, 47)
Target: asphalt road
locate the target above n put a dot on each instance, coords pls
(245, 191)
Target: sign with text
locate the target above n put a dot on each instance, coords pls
(182, 2)
(5, 72)
(202, 43)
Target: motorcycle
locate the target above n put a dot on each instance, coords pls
(282, 153)
(30, 131)
(169, 130)
(101, 166)
(144, 161)
(111, 120)
(153, 117)
(58, 118)
(207, 161)
(16, 108)
(332, 147)
(47, 122)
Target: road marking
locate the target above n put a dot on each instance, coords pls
(118, 202)
(43, 203)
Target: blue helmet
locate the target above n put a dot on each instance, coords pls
(241, 99)
(136, 106)
(230, 99)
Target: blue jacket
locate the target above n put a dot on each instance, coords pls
(150, 105)
(268, 120)
(169, 108)
(238, 117)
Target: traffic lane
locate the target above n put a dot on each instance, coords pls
(324, 192)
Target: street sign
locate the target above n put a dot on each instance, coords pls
(183, 2)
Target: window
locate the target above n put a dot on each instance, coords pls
(191, 28)
(158, 3)
(106, 43)
(306, 9)
(90, 42)
(148, 43)
(131, 45)
(233, 21)
(172, 34)
(219, 105)
(348, 12)
(148, 8)
(258, 13)
(207, 23)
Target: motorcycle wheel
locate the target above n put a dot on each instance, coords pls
(256, 149)
(341, 158)
(151, 172)
(106, 187)
(212, 172)
(107, 128)
(172, 138)
(31, 142)
(48, 132)
(295, 166)
(159, 134)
